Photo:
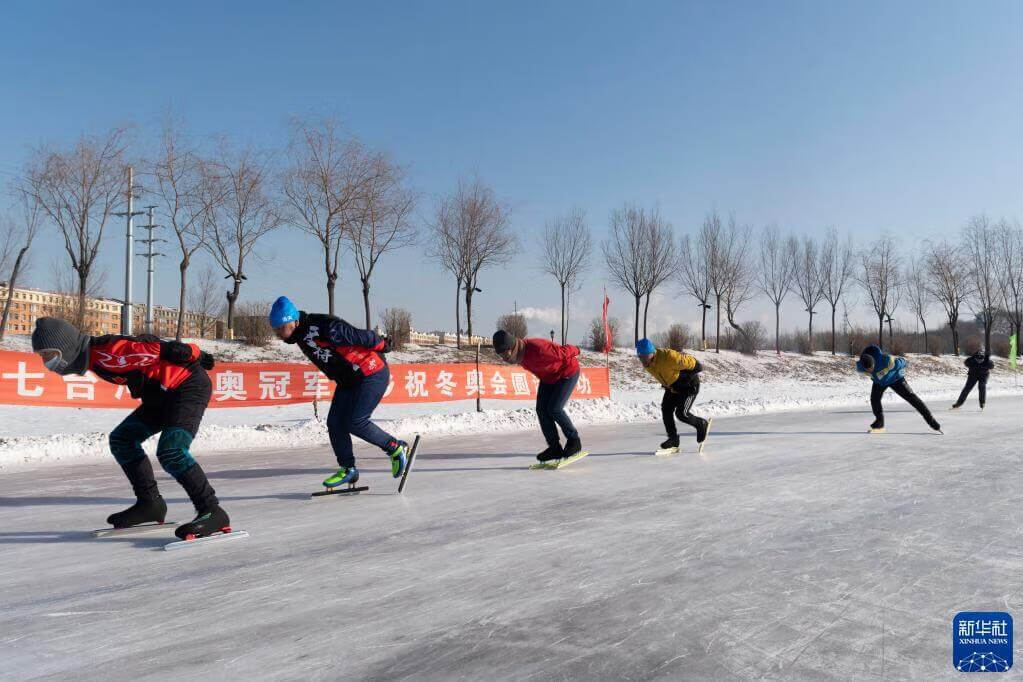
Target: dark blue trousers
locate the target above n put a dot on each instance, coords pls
(550, 409)
(349, 415)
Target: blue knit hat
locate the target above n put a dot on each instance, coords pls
(645, 347)
(282, 312)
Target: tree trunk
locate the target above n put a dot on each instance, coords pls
(953, 324)
(232, 296)
(833, 329)
(889, 333)
(331, 281)
(636, 325)
(703, 326)
(777, 327)
(646, 313)
(988, 322)
(365, 301)
(810, 331)
(10, 290)
(458, 314)
(880, 329)
(183, 268)
(469, 287)
(717, 333)
(80, 313)
(927, 346)
(562, 313)
(568, 315)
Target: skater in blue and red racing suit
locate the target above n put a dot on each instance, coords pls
(170, 379)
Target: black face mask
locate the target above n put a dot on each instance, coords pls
(57, 363)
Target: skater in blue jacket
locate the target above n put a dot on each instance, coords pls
(887, 371)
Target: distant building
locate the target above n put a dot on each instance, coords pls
(102, 315)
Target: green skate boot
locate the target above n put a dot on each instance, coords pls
(397, 450)
(343, 475)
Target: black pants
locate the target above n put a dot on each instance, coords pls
(550, 409)
(677, 402)
(981, 390)
(902, 390)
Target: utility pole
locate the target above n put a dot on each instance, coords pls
(150, 257)
(129, 251)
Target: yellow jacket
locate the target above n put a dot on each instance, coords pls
(668, 364)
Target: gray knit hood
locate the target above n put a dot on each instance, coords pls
(54, 334)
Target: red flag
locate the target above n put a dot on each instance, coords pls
(608, 346)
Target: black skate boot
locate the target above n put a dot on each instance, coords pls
(672, 442)
(551, 453)
(877, 426)
(933, 423)
(573, 446)
(213, 520)
(149, 507)
(210, 518)
(701, 431)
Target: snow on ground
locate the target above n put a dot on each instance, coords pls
(732, 384)
(797, 547)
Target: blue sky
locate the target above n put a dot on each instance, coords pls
(867, 116)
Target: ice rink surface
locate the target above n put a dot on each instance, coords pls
(796, 547)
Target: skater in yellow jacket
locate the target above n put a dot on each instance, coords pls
(678, 373)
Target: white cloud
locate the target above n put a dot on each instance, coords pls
(549, 315)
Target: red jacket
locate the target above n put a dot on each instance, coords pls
(550, 362)
(141, 362)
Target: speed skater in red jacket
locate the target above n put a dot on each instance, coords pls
(557, 368)
(170, 379)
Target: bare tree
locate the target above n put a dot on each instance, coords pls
(79, 190)
(980, 244)
(446, 248)
(566, 246)
(807, 280)
(777, 269)
(949, 282)
(837, 261)
(17, 240)
(324, 187)
(880, 278)
(694, 274)
(917, 293)
(245, 216)
(397, 324)
(661, 257)
(480, 238)
(625, 255)
(382, 223)
(204, 301)
(188, 192)
(514, 324)
(1010, 273)
(739, 276)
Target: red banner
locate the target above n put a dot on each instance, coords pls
(24, 381)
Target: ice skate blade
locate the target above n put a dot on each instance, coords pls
(353, 490)
(559, 463)
(702, 443)
(408, 464)
(880, 430)
(666, 452)
(134, 530)
(216, 537)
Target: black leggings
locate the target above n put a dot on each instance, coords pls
(981, 390)
(677, 402)
(903, 390)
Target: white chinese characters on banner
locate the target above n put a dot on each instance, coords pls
(474, 383)
(315, 385)
(583, 387)
(445, 383)
(520, 383)
(415, 384)
(230, 386)
(23, 376)
(81, 387)
(273, 385)
(498, 384)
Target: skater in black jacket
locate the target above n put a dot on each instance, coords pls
(978, 366)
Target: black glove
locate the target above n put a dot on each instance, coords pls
(206, 361)
(387, 345)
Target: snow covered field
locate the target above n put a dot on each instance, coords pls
(732, 384)
(796, 547)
